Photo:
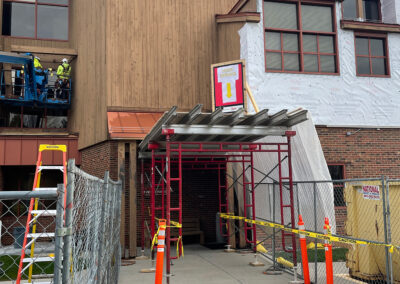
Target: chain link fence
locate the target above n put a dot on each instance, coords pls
(362, 212)
(85, 245)
(14, 207)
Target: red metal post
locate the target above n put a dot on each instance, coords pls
(162, 187)
(168, 206)
(289, 134)
(152, 194)
(253, 202)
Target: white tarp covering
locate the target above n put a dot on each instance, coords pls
(342, 100)
(308, 163)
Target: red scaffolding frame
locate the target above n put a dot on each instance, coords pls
(172, 151)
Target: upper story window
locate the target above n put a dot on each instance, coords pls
(362, 9)
(38, 19)
(372, 55)
(300, 37)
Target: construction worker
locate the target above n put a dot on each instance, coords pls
(37, 64)
(63, 75)
(39, 73)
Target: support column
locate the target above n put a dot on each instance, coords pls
(132, 199)
(121, 173)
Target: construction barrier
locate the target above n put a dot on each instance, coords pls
(328, 254)
(315, 235)
(304, 257)
(162, 225)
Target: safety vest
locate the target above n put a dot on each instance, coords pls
(64, 71)
(36, 64)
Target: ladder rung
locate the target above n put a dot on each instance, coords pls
(287, 205)
(45, 212)
(61, 168)
(38, 259)
(41, 235)
(41, 276)
(45, 188)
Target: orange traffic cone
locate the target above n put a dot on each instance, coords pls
(162, 224)
(328, 254)
(304, 257)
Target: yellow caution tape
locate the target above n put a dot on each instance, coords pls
(177, 246)
(314, 235)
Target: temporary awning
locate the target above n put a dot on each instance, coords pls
(222, 127)
(131, 125)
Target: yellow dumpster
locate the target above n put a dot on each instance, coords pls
(365, 221)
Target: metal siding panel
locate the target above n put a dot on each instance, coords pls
(29, 153)
(13, 152)
(2, 151)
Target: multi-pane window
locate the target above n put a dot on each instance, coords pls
(38, 19)
(371, 56)
(363, 9)
(300, 37)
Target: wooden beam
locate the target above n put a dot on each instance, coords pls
(44, 50)
(132, 199)
(121, 172)
(374, 27)
(245, 17)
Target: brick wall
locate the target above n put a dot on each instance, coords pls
(367, 153)
(100, 158)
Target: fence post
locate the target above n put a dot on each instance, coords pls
(66, 275)
(389, 229)
(385, 230)
(58, 238)
(316, 230)
(101, 225)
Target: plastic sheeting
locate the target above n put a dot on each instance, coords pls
(308, 163)
(342, 100)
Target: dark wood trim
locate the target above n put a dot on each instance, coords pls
(44, 50)
(239, 17)
(238, 6)
(368, 26)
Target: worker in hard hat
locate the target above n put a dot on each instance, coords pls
(39, 73)
(63, 75)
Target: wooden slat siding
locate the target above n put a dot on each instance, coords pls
(132, 199)
(250, 6)
(89, 109)
(228, 42)
(121, 173)
(162, 57)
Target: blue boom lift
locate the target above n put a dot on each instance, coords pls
(22, 85)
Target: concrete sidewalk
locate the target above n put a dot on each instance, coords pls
(202, 265)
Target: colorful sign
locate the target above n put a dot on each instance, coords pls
(371, 192)
(228, 85)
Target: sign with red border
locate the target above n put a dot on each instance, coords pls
(228, 85)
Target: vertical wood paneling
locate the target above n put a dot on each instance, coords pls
(159, 52)
(88, 111)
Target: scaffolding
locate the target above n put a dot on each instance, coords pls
(213, 141)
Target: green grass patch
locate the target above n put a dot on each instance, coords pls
(338, 254)
(10, 267)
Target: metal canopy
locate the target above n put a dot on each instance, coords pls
(195, 126)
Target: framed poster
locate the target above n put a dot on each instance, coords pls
(228, 83)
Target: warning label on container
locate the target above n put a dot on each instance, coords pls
(371, 192)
